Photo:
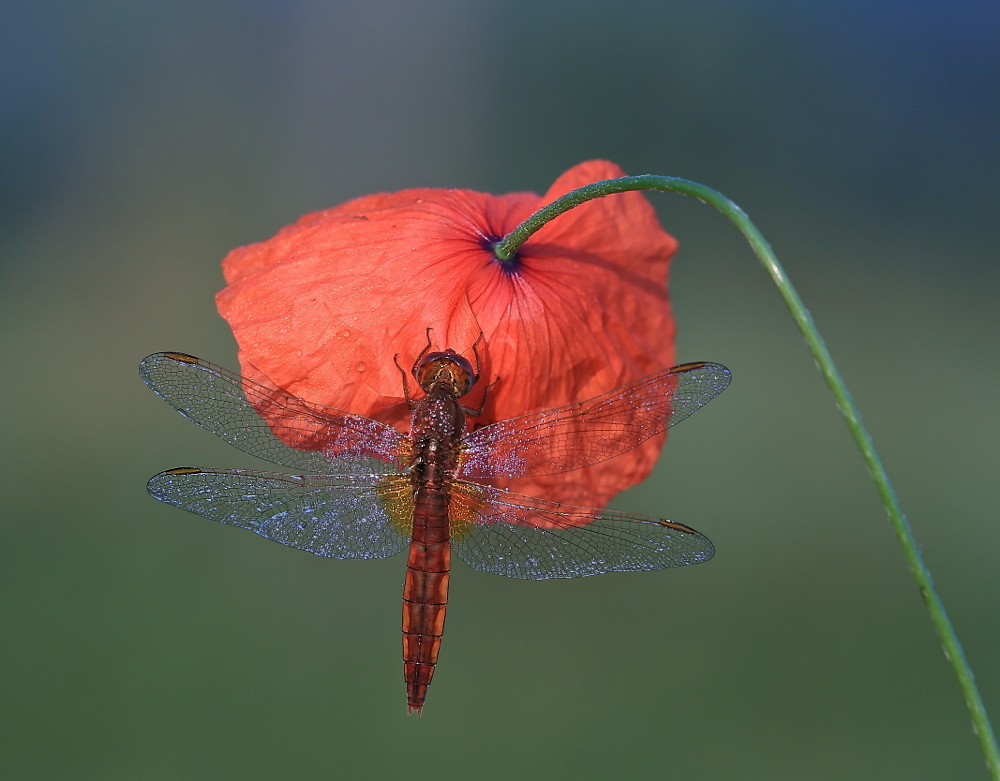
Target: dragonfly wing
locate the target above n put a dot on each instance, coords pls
(578, 435)
(533, 539)
(344, 517)
(296, 434)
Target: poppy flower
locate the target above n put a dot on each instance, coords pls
(321, 309)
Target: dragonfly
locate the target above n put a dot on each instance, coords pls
(360, 489)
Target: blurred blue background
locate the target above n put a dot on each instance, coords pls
(140, 141)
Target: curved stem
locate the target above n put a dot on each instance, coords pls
(506, 249)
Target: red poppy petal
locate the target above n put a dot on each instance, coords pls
(321, 309)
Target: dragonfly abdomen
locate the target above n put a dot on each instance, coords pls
(425, 592)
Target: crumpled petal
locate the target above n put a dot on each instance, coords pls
(321, 309)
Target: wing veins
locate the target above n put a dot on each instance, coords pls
(534, 539)
(340, 516)
(234, 408)
(595, 430)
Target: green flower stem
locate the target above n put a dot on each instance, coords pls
(505, 251)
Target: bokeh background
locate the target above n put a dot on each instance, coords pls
(142, 140)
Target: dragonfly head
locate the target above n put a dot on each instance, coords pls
(445, 370)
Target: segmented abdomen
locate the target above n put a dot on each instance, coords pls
(425, 592)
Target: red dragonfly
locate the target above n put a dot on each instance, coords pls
(365, 491)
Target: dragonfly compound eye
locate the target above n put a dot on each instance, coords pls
(448, 367)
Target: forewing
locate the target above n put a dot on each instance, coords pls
(578, 435)
(345, 517)
(532, 539)
(295, 434)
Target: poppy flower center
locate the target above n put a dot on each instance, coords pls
(512, 265)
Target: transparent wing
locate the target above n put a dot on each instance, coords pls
(578, 435)
(296, 434)
(533, 539)
(350, 516)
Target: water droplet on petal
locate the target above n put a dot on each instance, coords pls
(360, 366)
(345, 333)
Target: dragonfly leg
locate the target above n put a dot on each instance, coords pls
(427, 349)
(475, 413)
(479, 358)
(406, 384)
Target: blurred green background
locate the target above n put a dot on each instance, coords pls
(142, 140)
